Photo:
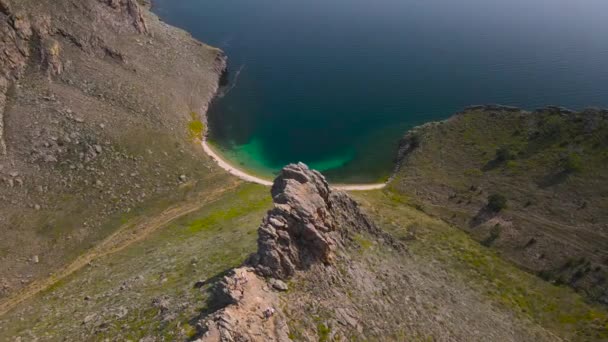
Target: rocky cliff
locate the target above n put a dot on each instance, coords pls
(308, 225)
(96, 102)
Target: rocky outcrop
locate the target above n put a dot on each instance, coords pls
(252, 311)
(306, 224)
(18, 29)
(130, 9)
(15, 32)
(306, 227)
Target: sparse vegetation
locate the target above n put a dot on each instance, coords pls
(363, 242)
(552, 126)
(494, 234)
(323, 332)
(546, 153)
(200, 245)
(473, 173)
(572, 163)
(556, 308)
(196, 128)
(503, 154)
(104, 142)
(497, 202)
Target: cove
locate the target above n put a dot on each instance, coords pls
(336, 83)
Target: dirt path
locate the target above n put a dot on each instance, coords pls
(126, 235)
(358, 187)
(142, 227)
(250, 178)
(568, 235)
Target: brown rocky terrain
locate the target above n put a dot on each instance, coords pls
(96, 98)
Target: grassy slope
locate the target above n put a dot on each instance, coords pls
(554, 223)
(147, 288)
(429, 240)
(103, 141)
(61, 226)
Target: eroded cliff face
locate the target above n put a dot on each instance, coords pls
(95, 101)
(20, 33)
(13, 36)
(307, 227)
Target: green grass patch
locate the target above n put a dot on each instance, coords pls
(199, 246)
(196, 129)
(363, 241)
(211, 221)
(323, 332)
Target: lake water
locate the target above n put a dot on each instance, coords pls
(336, 83)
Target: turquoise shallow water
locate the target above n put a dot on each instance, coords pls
(336, 83)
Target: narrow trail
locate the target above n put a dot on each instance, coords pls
(251, 178)
(141, 227)
(126, 235)
(566, 234)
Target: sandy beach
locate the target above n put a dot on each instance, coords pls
(250, 178)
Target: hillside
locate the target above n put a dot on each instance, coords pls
(100, 103)
(330, 269)
(531, 185)
(116, 226)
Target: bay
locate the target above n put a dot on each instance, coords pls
(336, 83)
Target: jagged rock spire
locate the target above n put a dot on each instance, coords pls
(306, 223)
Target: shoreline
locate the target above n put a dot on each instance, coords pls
(233, 170)
(222, 163)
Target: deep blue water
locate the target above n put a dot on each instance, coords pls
(336, 83)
